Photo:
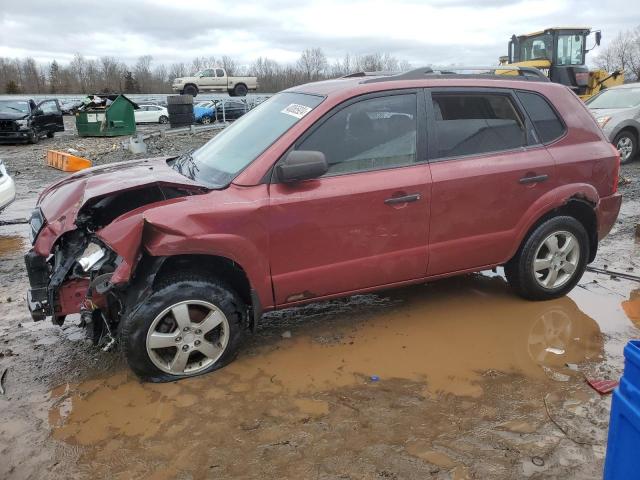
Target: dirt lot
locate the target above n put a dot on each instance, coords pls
(473, 381)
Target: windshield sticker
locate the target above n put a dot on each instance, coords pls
(296, 110)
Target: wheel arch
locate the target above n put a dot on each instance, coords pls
(578, 207)
(151, 271)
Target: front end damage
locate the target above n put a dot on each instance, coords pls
(82, 259)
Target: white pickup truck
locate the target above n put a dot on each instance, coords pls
(214, 80)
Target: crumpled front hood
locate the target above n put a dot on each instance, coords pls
(13, 116)
(61, 202)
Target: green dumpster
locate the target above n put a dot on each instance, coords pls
(106, 116)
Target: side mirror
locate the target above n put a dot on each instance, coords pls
(598, 37)
(301, 165)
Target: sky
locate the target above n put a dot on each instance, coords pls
(436, 32)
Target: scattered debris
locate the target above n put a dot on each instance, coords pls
(572, 366)
(2, 375)
(557, 351)
(614, 274)
(602, 386)
(286, 334)
(537, 461)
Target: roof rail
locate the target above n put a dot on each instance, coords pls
(521, 73)
(371, 74)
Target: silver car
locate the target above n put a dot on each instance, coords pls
(617, 110)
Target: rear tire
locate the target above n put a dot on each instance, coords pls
(163, 119)
(627, 144)
(544, 268)
(50, 134)
(190, 337)
(240, 90)
(190, 90)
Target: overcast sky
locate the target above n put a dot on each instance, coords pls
(423, 32)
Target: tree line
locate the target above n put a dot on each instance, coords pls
(108, 74)
(623, 53)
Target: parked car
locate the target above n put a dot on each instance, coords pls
(205, 112)
(26, 121)
(230, 110)
(7, 187)
(214, 80)
(151, 114)
(70, 107)
(617, 110)
(325, 190)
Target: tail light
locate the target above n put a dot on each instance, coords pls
(616, 173)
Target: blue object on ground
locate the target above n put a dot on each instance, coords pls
(374, 378)
(623, 458)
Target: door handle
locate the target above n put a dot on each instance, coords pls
(404, 199)
(533, 179)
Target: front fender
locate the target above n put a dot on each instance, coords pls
(548, 202)
(234, 230)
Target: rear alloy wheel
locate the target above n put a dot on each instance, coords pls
(627, 144)
(550, 261)
(206, 120)
(163, 119)
(190, 325)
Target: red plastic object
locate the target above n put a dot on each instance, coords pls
(602, 386)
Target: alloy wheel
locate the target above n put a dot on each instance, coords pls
(556, 259)
(187, 337)
(625, 147)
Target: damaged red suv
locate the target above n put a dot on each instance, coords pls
(325, 190)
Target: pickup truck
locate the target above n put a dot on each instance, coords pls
(24, 120)
(214, 80)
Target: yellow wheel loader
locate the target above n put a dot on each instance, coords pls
(559, 53)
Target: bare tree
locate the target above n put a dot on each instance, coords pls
(312, 63)
(142, 73)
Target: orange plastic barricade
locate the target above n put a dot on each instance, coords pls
(66, 162)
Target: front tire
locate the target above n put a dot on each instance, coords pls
(551, 260)
(627, 144)
(190, 325)
(34, 137)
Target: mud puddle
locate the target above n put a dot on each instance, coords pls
(407, 373)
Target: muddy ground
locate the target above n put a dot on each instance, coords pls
(473, 381)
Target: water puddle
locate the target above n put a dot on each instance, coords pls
(451, 336)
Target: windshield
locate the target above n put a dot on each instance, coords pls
(19, 106)
(536, 48)
(219, 161)
(616, 98)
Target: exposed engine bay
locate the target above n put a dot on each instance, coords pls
(76, 276)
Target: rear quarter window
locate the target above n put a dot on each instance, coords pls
(548, 125)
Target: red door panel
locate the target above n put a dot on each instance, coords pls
(337, 234)
(477, 203)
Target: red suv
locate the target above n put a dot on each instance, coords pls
(323, 191)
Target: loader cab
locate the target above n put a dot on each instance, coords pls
(559, 52)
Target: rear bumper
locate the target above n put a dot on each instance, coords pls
(607, 213)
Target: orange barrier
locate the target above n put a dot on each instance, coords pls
(66, 162)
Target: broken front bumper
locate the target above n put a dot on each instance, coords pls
(38, 294)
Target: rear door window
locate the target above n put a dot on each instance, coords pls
(471, 124)
(548, 125)
(371, 134)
